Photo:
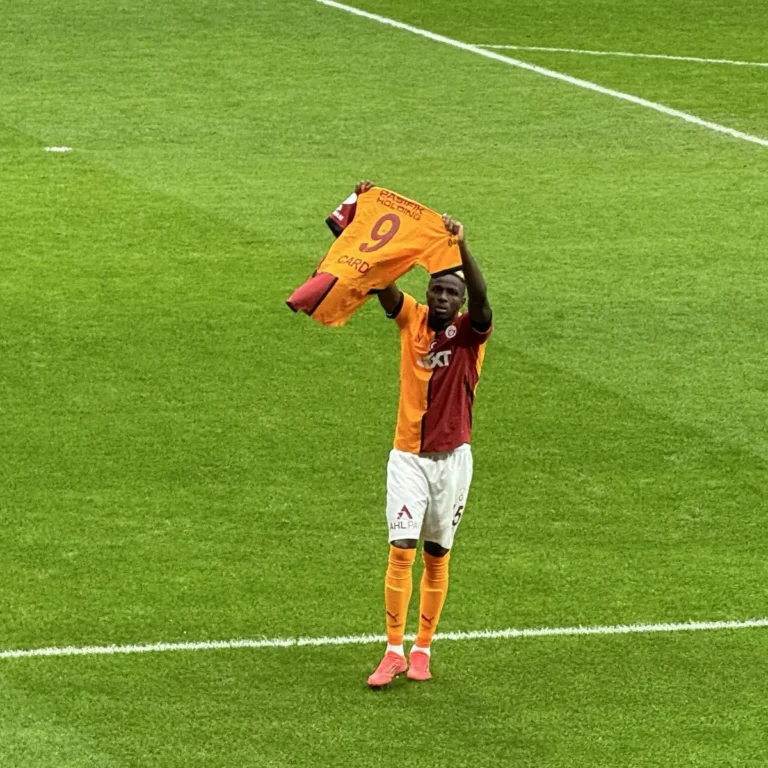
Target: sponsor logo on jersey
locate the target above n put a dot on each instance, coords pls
(434, 360)
(400, 204)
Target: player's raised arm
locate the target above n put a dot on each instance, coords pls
(479, 309)
(390, 298)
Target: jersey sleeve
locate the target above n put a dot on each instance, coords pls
(471, 336)
(405, 311)
(342, 217)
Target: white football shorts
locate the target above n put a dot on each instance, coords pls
(427, 494)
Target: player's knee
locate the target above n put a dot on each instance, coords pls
(404, 543)
(434, 549)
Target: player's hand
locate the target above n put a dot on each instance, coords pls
(363, 186)
(456, 228)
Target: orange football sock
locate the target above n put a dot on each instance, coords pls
(398, 585)
(434, 588)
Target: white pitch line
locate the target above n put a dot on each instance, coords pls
(626, 54)
(303, 642)
(588, 85)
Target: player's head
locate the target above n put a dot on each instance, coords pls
(445, 297)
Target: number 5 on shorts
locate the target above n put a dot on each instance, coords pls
(457, 515)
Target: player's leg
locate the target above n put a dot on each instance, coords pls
(450, 483)
(398, 586)
(407, 498)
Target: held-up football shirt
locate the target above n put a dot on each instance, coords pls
(439, 372)
(380, 236)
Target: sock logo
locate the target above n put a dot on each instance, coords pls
(429, 621)
(393, 616)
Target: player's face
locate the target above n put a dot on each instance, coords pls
(445, 295)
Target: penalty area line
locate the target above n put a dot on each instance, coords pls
(550, 73)
(305, 642)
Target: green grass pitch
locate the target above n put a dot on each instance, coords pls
(183, 459)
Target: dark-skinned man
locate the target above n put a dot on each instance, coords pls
(430, 468)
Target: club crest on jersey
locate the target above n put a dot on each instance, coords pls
(434, 360)
(450, 331)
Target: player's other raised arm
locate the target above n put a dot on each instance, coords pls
(479, 309)
(390, 298)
